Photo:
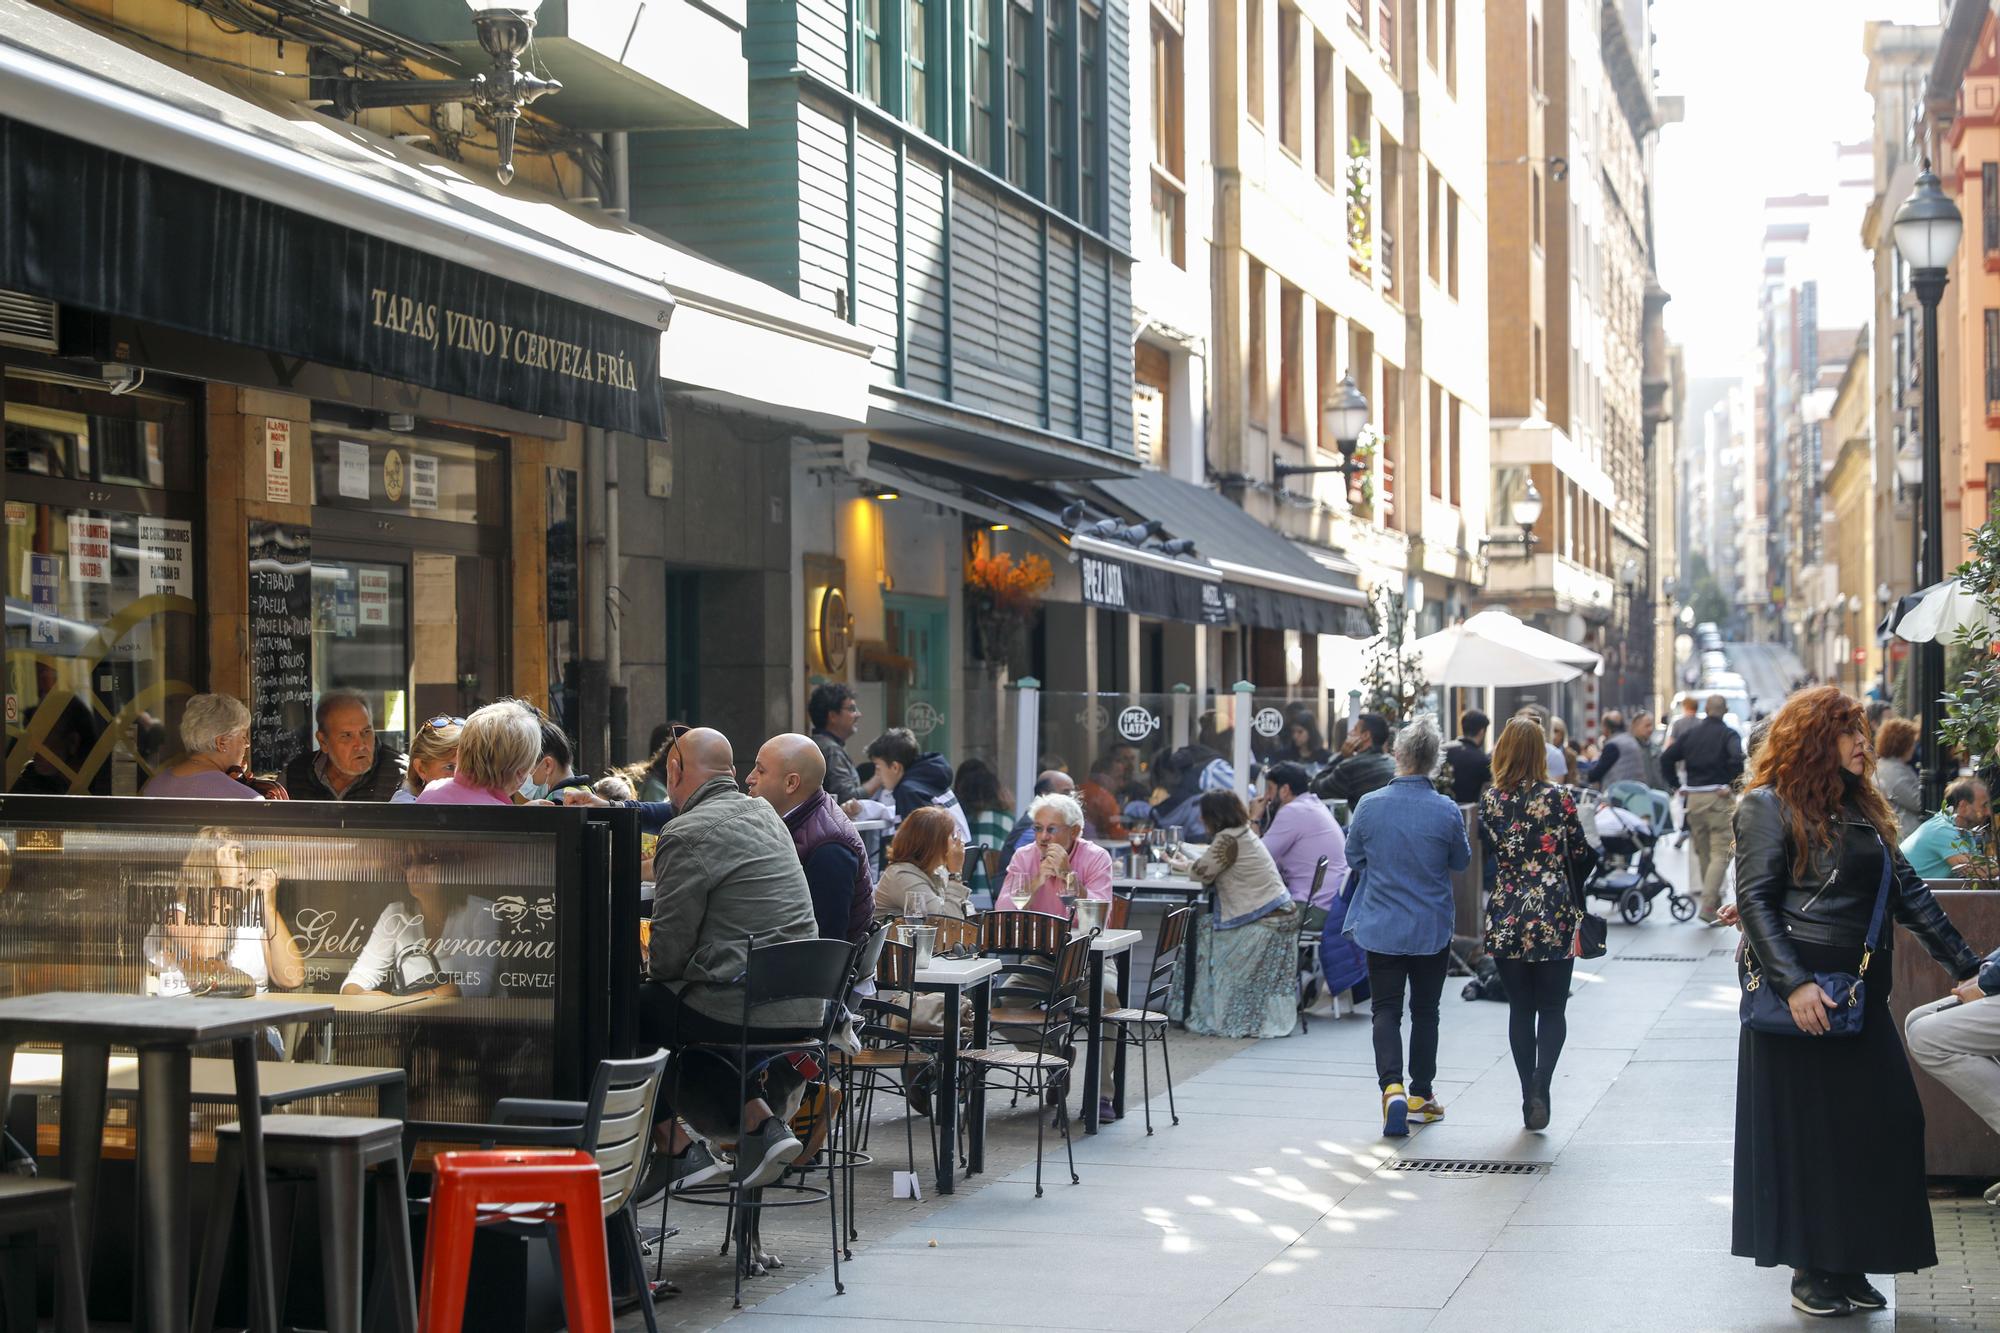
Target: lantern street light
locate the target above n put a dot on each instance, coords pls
(1342, 418)
(1524, 507)
(1927, 228)
(505, 27)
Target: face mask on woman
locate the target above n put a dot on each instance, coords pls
(532, 790)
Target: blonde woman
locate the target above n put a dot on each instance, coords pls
(498, 747)
(433, 757)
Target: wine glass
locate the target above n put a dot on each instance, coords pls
(1021, 891)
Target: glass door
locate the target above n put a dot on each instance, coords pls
(918, 630)
(361, 639)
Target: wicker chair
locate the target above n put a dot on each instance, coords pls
(1150, 1019)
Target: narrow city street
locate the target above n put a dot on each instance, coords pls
(1276, 1203)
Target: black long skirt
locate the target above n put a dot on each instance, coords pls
(1830, 1143)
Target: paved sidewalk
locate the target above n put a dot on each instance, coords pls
(1276, 1203)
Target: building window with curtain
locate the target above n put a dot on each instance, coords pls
(1169, 165)
(979, 82)
(1993, 363)
(868, 49)
(917, 63)
(1020, 22)
(1055, 125)
(1989, 208)
(1090, 115)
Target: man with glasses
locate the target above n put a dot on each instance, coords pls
(834, 715)
(348, 765)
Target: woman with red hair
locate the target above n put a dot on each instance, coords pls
(1829, 1132)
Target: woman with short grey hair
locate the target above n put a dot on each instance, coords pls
(215, 731)
(1405, 841)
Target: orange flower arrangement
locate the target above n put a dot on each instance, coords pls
(1012, 588)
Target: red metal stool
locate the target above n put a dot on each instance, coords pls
(507, 1185)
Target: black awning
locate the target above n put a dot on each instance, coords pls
(1148, 590)
(95, 229)
(1314, 599)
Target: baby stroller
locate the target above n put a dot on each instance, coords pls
(1625, 838)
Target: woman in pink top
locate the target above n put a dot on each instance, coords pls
(497, 747)
(1059, 861)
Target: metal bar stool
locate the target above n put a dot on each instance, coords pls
(339, 1154)
(505, 1185)
(49, 1205)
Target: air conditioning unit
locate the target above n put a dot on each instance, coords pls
(27, 321)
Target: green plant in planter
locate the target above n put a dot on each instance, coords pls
(1972, 675)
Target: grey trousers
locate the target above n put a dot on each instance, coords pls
(1709, 816)
(1959, 1046)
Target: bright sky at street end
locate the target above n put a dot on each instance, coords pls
(1771, 87)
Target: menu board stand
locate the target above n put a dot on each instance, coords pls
(280, 643)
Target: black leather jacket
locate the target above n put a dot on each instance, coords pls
(1827, 907)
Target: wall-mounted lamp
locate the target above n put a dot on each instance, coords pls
(1343, 417)
(504, 27)
(1526, 511)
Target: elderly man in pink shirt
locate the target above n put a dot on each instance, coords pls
(1059, 862)
(1062, 862)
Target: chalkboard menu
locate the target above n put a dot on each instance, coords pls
(280, 643)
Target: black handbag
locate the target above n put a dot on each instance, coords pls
(1764, 1010)
(1592, 931)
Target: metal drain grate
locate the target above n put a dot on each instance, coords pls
(1656, 958)
(1464, 1166)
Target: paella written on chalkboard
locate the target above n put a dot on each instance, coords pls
(280, 643)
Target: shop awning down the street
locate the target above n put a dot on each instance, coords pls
(1266, 581)
(260, 223)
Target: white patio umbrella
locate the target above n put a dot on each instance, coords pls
(1463, 656)
(1938, 612)
(1517, 633)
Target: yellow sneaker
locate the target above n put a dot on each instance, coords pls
(1426, 1110)
(1395, 1112)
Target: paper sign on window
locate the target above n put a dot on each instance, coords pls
(374, 596)
(43, 626)
(423, 481)
(89, 549)
(353, 470)
(165, 548)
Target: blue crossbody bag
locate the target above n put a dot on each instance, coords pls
(1764, 1010)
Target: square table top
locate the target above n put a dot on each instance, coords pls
(213, 1080)
(955, 971)
(145, 1020)
(1114, 941)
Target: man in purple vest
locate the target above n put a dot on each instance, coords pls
(788, 774)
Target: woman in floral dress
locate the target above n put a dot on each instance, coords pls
(1532, 916)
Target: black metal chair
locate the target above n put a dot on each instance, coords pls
(1042, 1067)
(1151, 1017)
(895, 1055)
(1312, 921)
(41, 1204)
(614, 1124)
(817, 970)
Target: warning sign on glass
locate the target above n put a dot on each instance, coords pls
(89, 549)
(374, 596)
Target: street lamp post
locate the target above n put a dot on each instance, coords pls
(1927, 229)
(1883, 592)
